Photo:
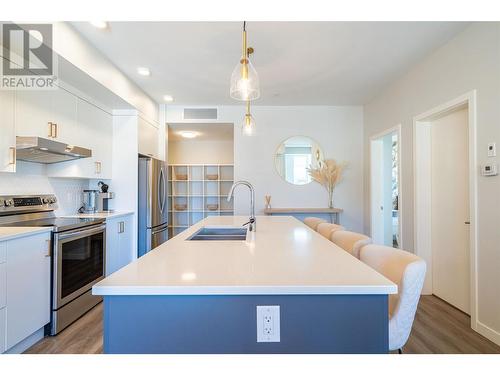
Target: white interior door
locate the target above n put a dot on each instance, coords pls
(450, 209)
(377, 191)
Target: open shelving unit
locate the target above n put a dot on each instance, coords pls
(197, 191)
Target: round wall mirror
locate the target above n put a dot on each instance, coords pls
(294, 156)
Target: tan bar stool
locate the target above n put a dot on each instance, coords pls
(326, 229)
(351, 242)
(407, 271)
(312, 222)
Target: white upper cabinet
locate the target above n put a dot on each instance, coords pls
(95, 131)
(33, 113)
(64, 116)
(8, 132)
(97, 125)
(148, 138)
(47, 114)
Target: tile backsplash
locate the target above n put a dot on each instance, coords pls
(30, 178)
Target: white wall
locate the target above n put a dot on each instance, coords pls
(30, 178)
(339, 131)
(469, 61)
(201, 152)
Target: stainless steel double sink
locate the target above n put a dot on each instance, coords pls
(219, 234)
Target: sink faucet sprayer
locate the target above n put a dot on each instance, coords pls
(252, 227)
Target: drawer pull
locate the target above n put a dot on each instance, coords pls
(12, 155)
(49, 249)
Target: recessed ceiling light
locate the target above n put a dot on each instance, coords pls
(144, 71)
(168, 98)
(188, 134)
(99, 24)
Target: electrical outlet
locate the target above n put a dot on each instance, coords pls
(268, 324)
(492, 149)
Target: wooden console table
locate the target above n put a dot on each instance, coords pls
(333, 212)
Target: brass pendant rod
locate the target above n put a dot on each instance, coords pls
(244, 52)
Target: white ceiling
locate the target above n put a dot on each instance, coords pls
(206, 132)
(309, 63)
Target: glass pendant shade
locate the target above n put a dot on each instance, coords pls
(248, 125)
(245, 82)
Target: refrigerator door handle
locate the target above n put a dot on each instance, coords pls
(164, 199)
(160, 180)
(159, 231)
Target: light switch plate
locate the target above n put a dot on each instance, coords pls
(268, 324)
(492, 149)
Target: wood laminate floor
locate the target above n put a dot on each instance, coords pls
(438, 328)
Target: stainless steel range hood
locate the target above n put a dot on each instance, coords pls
(46, 151)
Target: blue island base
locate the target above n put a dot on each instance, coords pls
(227, 324)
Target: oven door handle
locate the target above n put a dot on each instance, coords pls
(90, 231)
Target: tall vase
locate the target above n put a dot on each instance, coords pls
(330, 198)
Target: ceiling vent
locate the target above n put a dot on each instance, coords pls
(200, 113)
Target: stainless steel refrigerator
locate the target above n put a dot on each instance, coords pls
(153, 204)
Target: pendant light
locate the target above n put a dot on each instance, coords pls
(248, 122)
(245, 80)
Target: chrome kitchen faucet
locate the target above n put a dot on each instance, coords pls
(252, 223)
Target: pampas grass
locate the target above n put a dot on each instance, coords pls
(328, 174)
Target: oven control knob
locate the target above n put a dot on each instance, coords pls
(53, 200)
(45, 200)
(9, 202)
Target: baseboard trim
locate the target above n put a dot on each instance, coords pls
(488, 332)
(27, 342)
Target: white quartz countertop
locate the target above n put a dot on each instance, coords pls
(8, 233)
(102, 215)
(283, 256)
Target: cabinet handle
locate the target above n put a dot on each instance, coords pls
(50, 130)
(121, 227)
(49, 249)
(55, 130)
(97, 167)
(12, 155)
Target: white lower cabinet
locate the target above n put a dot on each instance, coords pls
(27, 284)
(119, 246)
(2, 329)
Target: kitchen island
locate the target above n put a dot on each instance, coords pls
(202, 296)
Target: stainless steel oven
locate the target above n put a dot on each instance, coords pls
(78, 253)
(78, 263)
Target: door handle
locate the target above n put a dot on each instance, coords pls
(467, 222)
(164, 199)
(12, 155)
(49, 252)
